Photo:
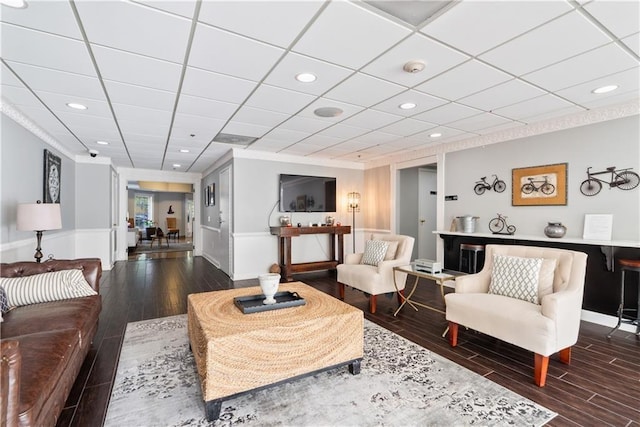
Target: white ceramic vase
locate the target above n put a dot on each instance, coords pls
(269, 285)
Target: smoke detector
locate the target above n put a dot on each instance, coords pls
(413, 66)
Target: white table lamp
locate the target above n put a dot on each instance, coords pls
(39, 217)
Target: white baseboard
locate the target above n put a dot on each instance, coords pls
(605, 320)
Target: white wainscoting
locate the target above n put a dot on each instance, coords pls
(210, 244)
(90, 243)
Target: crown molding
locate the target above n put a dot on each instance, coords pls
(569, 121)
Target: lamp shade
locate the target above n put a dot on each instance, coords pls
(39, 216)
(353, 202)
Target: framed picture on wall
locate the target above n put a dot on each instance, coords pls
(52, 177)
(539, 185)
(212, 194)
(206, 195)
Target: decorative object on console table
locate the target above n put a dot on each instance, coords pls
(555, 230)
(540, 185)
(38, 217)
(52, 177)
(353, 206)
(499, 225)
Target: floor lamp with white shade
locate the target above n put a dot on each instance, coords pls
(38, 217)
(353, 205)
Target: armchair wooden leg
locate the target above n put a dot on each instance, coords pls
(565, 355)
(373, 303)
(341, 290)
(453, 334)
(541, 367)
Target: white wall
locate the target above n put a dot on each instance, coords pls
(611, 143)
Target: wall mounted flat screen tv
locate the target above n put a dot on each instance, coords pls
(302, 193)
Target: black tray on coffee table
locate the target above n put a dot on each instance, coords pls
(254, 304)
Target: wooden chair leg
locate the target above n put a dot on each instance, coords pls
(400, 296)
(541, 366)
(453, 334)
(565, 355)
(373, 303)
(341, 290)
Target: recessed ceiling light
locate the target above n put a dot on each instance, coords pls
(328, 112)
(76, 106)
(306, 77)
(605, 89)
(407, 106)
(17, 4)
(102, 143)
(175, 165)
(184, 150)
(435, 135)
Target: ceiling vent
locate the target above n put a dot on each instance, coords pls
(414, 12)
(229, 138)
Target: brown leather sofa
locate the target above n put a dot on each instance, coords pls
(44, 346)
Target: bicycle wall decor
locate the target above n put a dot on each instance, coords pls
(539, 185)
(624, 179)
(499, 225)
(481, 186)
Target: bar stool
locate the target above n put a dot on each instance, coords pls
(627, 265)
(472, 254)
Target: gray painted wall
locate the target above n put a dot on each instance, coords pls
(611, 143)
(22, 166)
(93, 193)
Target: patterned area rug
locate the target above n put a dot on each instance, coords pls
(400, 384)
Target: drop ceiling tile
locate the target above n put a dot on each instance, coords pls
(371, 119)
(286, 136)
(74, 85)
(594, 64)
(85, 119)
(501, 21)
(44, 119)
(622, 18)
(305, 124)
(19, 96)
(464, 80)
(633, 95)
(142, 115)
(140, 29)
(8, 78)
(226, 53)
(502, 95)
(479, 122)
(447, 113)
(343, 131)
(259, 116)
(125, 67)
(203, 128)
(269, 144)
(261, 20)
(535, 107)
(121, 93)
(361, 89)
(633, 43)
(279, 100)
(582, 94)
(499, 127)
(376, 137)
(328, 75)
(245, 129)
(407, 127)
(58, 103)
(423, 102)
(216, 86)
(181, 7)
(322, 141)
(48, 50)
(446, 133)
(299, 149)
(354, 145)
(436, 57)
(203, 107)
(547, 45)
(350, 35)
(159, 130)
(54, 17)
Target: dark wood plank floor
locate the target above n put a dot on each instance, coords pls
(600, 387)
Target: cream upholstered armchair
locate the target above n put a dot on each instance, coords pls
(508, 301)
(376, 279)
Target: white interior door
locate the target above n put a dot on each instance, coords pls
(225, 253)
(115, 212)
(427, 214)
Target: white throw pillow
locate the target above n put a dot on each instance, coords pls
(515, 277)
(374, 252)
(45, 287)
(391, 250)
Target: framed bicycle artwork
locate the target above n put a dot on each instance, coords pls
(539, 185)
